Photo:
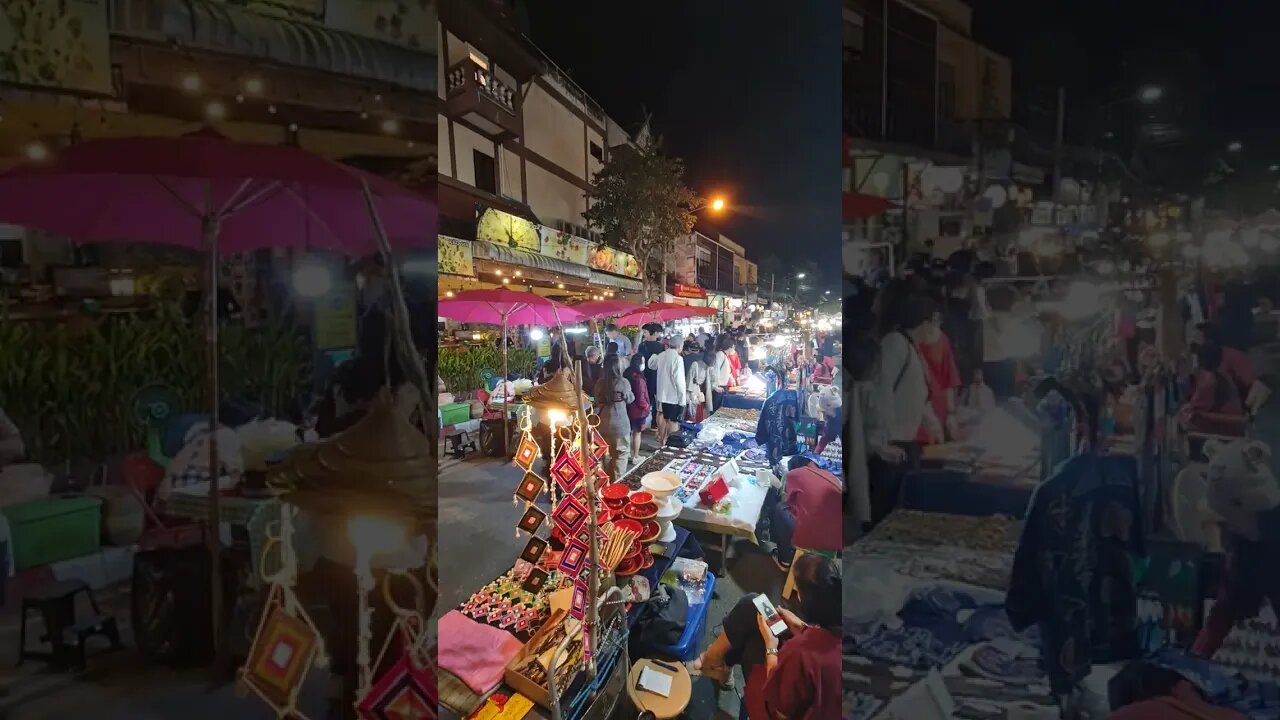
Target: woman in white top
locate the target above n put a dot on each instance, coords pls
(904, 382)
(721, 371)
(697, 379)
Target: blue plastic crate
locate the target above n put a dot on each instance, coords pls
(688, 647)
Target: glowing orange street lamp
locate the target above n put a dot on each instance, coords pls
(717, 204)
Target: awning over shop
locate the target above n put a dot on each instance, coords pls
(483, 250)
(607, 280)
(857, 206)
(225, 28)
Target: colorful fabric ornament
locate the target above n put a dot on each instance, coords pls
(578, 604)
(570, 515)
(535, 581)
(566, 470)
(532, 520)
(574, 558)
(405, 692)
(531, 487)
(527, 452)
(534, 550)
(283, 650)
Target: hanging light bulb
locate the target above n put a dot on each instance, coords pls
(391, 126)
(192, 83)
(312, 279)
(448, 293)
(253, 86)
(215, 110)
(36, 152)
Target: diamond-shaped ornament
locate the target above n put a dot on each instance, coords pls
(570, 515)
(567, 471)
(578, 604)
(574, 558)
(532, 520)
(527, 452)
(531, 487)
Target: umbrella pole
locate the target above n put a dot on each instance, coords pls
(415, 370)
(210, 224)
(506, 432)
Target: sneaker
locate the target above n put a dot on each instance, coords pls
(784, 567)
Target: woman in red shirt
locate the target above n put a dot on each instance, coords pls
(943, 376)
(797, 677)
(1215, 401)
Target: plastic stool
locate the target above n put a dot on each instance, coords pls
(56, 603)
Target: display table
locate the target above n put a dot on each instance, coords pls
(252, 515)
(741, 401)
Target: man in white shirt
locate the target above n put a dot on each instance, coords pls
(624, 343)
(671, 391)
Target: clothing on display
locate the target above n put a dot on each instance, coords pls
(1072, 573)
(776, 430)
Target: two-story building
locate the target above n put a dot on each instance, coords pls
(709, 269)
(919, 95)
(519, 144)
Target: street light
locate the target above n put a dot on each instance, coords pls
(717, 204)
(1150, 94)
(1235, 146)
(800, 275)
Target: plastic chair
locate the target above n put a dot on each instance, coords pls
(144, 477)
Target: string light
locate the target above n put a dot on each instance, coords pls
(215, 110)
(271, 109)
(506, 281)
(253, 86)
(391, 126)
(448, 293)
(36, 152)
(518, 273)
(560, 285)
(192, 83)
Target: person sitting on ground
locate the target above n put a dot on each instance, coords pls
(809, 515)
(798, 677)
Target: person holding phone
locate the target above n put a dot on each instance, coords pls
(791, 662)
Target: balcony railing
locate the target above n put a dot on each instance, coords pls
(468, 74)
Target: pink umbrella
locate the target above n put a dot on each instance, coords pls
(209, 193)
(203, 191)
(504, 307)
(598, 309)
(663, 312)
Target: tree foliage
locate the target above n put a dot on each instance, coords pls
(639, 203)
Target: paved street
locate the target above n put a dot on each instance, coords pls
(478, 542)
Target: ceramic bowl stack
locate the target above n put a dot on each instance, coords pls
(662, 485)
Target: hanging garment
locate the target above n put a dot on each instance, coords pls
(1072, 573)
(1057, 421)
(776, 430)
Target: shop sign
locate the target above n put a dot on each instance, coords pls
(62, 44)
(691, 292)
(564, 246)
(611, 260)
(336, 318)
(507, 230)
(455, 257)
(408, 23)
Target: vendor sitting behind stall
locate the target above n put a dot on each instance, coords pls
(1214, 396)
(809, 517)
(797, 678)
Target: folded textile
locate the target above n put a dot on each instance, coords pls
(475, 653)
(1223, 686)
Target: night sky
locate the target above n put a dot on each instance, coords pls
(1086, 41)
(746, 91)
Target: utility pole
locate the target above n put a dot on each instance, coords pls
(1059, 138)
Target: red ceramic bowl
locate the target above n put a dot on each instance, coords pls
(651, 531)
(627, 567)
(615, 504)
(616, 492)
(646, 561)
(629, 525)
(640, 512)
(641, 497)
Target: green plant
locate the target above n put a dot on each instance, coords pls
(69, 387)
(462, 369)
